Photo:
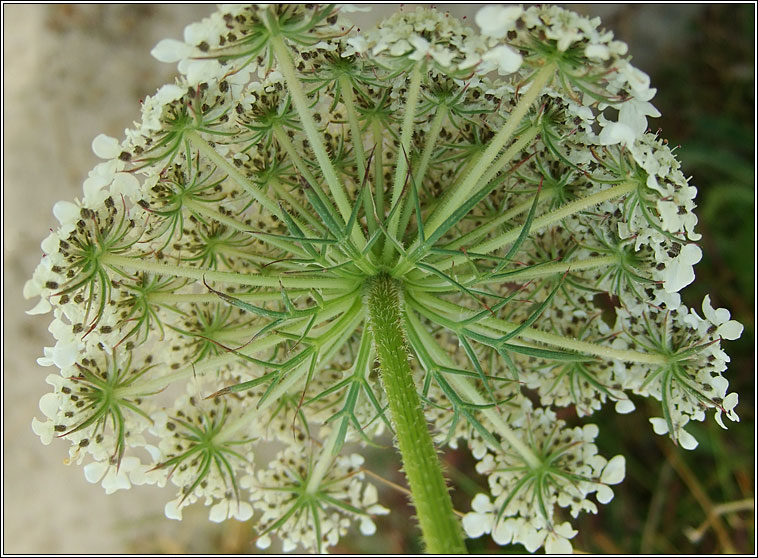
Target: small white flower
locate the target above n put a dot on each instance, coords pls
(679, 272)
(496, 21)
(263, 542)
(601, 52)
(479, 522)
(604, 494)
(557, 541)
(67, 213)
(726, 328)
(173, 510)
(728, 405)
(631, 124)
(505, 59)
(659, 425)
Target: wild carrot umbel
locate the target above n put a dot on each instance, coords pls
(317, 235)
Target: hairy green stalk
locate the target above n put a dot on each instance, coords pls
(429, 493)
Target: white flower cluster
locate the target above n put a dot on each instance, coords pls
(221, 252)
(314, 517)
(524, 495)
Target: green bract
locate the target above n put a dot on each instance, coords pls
(318, 235)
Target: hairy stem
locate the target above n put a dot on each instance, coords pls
(429, 493)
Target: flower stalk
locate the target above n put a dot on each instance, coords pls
(429, 492)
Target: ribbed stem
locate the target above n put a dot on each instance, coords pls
(439, 525)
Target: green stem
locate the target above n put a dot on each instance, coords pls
(284, 194)
(406, 262)
(490, 225)
(426, 156)
(205, 148)
(470, 393)
(199, 298)
(544, 221)
(326, 458)
(463, 190)
(429, 493)
(302, 105)
(424, 303)
(348, 98)
(433, 284)
(376, 129)
(276, 281)
(403, 154)
(542, 270)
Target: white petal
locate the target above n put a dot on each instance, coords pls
(49, 405)
(44, 430)
(686, 440)
(92, 187)
(263, 542)
(94, 471)
(481, 503)
(503, 533)
(679, 272)
(65, 355)
(533, 539)
(66, 212)
(171, 50)
(106, 147)
(614, 471)
(367, 527)
(731, 330)
(728, 329)
(172, 510)
(600, 52)
(556, 544)
(730, 402)
(476, 524)
(615, 132)
(115, 481)
(218, 512)
(718, 419)
(125, 184)
(659, 425)
(51, 244)
(496, 21)
(504, 58)
(604, 494)
(624, 406)
(244, 512)
(42, 307)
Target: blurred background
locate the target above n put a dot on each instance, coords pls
(71, 72)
